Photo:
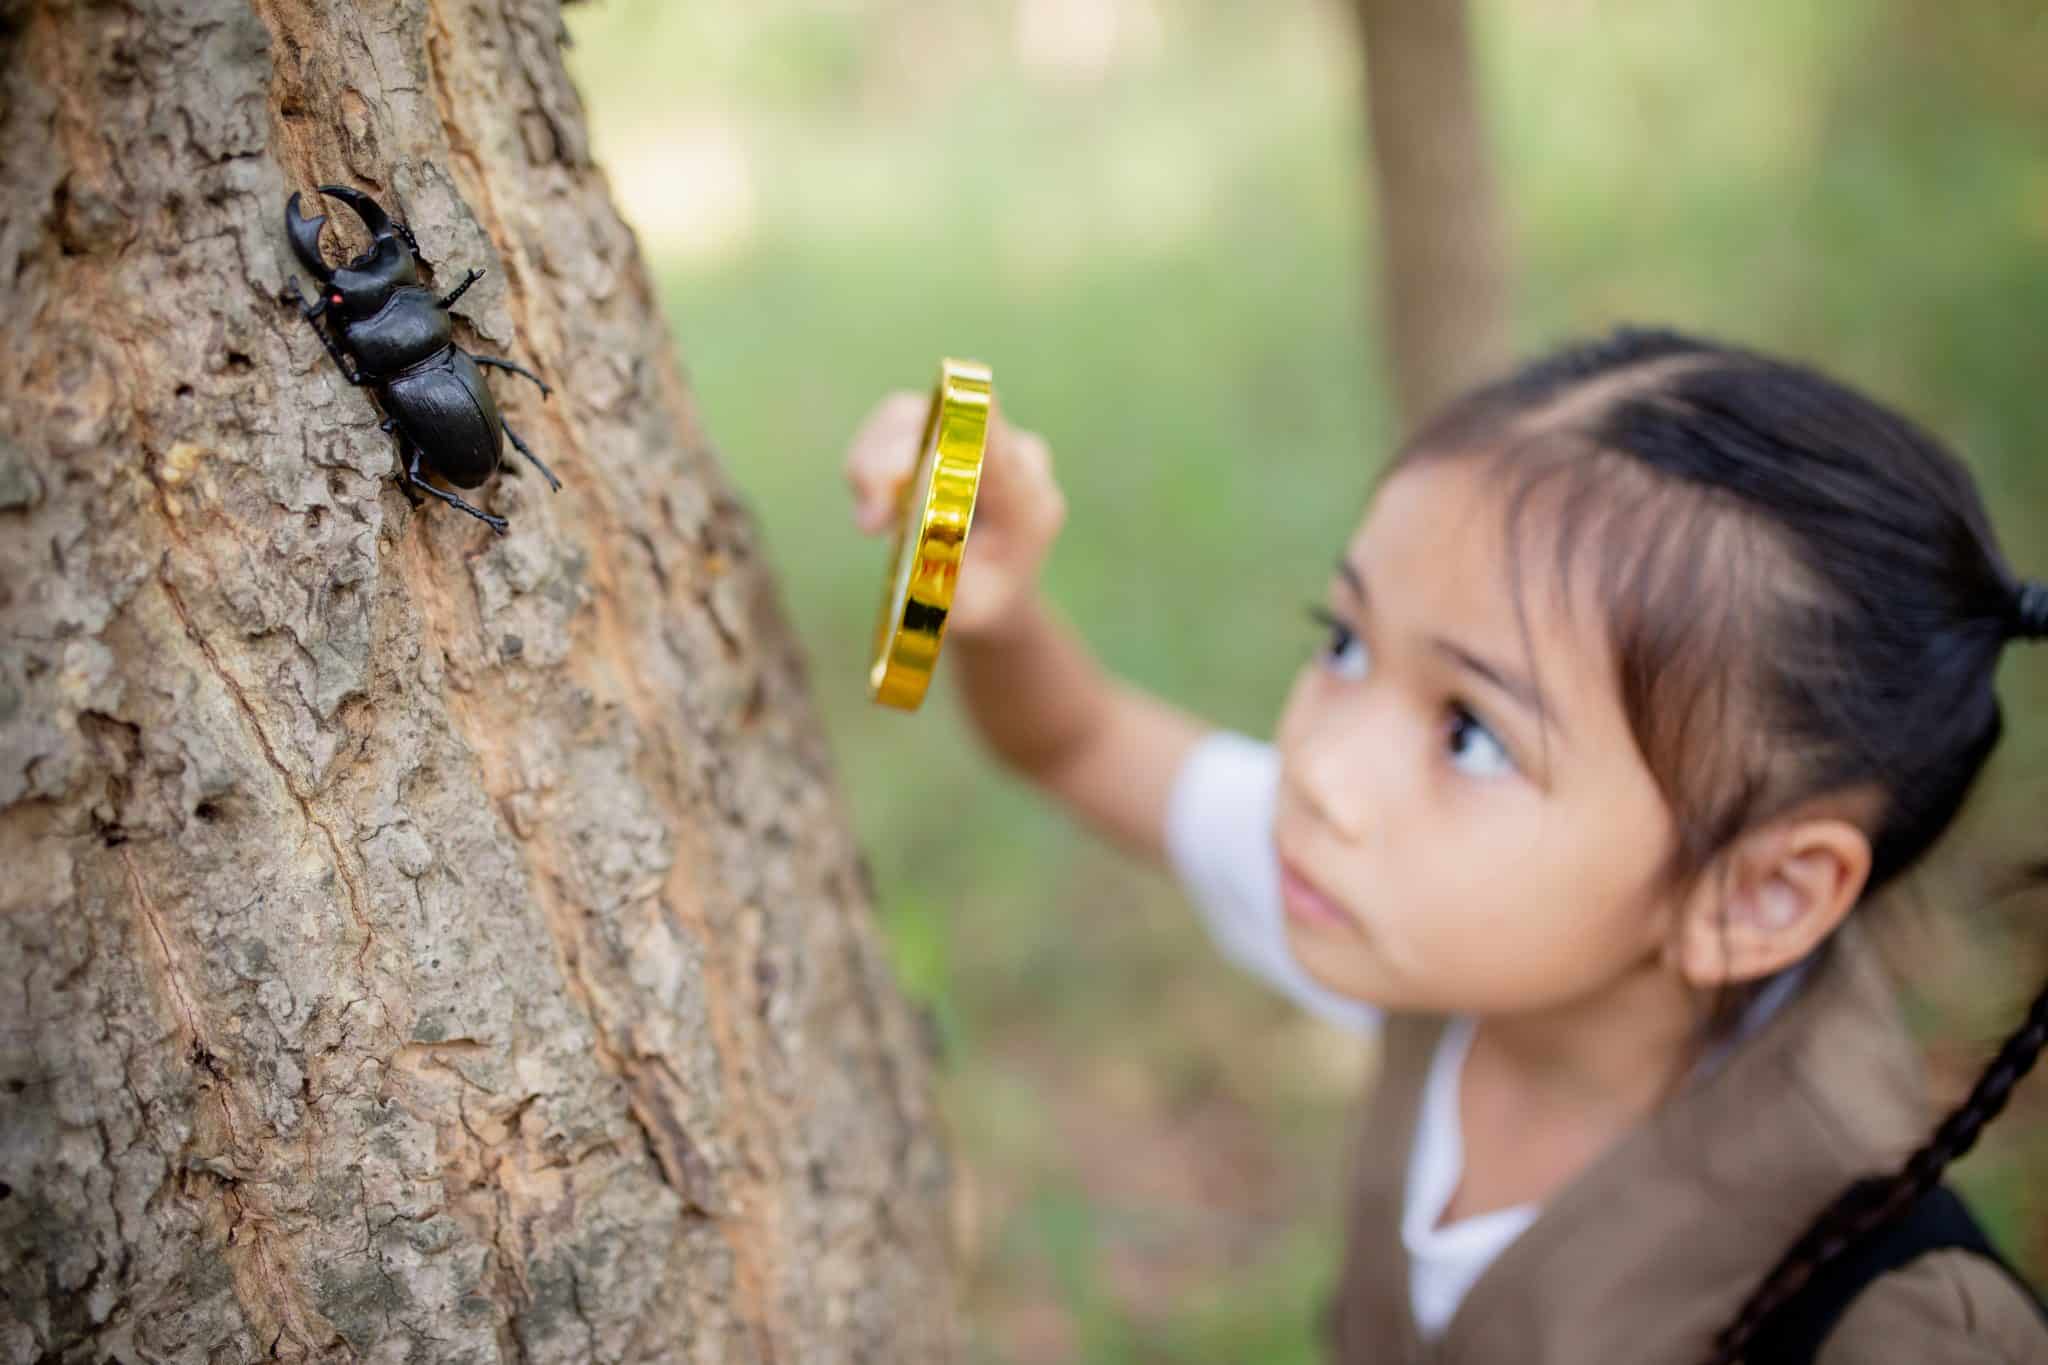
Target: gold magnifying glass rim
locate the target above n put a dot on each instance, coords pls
(931, 536)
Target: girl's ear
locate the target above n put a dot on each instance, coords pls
(1780, 890)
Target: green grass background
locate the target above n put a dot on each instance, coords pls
(1162, 244)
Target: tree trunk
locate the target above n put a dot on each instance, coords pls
(1443, 253)
(427, 945)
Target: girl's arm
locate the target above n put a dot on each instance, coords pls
(1049, 712)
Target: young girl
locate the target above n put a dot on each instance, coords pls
(1647, 667)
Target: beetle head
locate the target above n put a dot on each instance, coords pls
(360, 287)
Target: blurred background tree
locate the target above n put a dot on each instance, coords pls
(1155, 219)
(1443, 270)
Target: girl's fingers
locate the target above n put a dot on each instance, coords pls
(1018, 490)
(1000, 474)
(1018, 479)
(882, 456)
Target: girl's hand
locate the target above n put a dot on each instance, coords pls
(1018, 509)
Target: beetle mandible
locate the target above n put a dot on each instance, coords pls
(379, 315)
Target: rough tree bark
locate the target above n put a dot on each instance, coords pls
(1443, 253)
(421, 945)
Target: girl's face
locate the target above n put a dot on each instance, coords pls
(1436, 853)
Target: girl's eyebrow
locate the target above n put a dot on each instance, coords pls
(1351, 576)
(1510, 683)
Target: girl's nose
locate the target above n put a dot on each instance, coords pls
(1326, 773)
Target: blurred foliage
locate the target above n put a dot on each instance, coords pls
(1152, 218)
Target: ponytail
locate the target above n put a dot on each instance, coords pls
(1869, 1206)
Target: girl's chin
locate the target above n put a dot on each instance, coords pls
(1335, 959)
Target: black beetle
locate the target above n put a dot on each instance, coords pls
(399, 336)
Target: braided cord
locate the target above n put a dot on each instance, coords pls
(1860, 1212)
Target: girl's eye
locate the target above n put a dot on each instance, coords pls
(1344, 653)
(1474, 749)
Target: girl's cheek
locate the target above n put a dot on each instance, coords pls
(1296, 711)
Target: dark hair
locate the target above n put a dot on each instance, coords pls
(1786, 561)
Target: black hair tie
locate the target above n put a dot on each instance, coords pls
(2030, 611)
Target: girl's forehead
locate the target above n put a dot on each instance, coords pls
(1435, 552)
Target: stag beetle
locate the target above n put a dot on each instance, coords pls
(399, 336)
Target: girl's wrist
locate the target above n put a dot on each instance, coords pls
(1025, 616)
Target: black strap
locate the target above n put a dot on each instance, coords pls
(1940, 1221)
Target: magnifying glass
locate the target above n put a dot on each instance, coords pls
(931, 536)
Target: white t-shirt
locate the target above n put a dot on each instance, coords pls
(1219, 842)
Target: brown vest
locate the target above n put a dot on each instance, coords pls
(1650, 1250)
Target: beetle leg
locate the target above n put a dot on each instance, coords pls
(498, 364)
(339, 362)
(527, 451)
(405, 452)
(292, 295)
(412, 476)
(405, 484)
(311, 313)
(471, 278)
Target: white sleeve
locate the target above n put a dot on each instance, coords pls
(1219, 845)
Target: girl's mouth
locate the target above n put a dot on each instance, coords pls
(1308, 906)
